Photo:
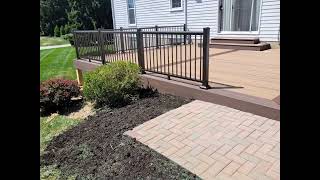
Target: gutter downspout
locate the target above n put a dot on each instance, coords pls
(186, 13)
(113, 16)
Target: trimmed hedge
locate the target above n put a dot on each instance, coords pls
(114, 84)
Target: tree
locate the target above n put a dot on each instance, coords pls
(76, 14)
(52, 13)
(56, 31)
(66, 29)
(61, 31)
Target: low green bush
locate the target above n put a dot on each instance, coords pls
(56, 94)
(114, 84)
(69, 37)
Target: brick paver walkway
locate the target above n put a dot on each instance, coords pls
(215, 142)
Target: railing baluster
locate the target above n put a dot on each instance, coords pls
(172, 46)
(176, 54)
(160, 55)
(168, 58)
(205, 48)
(195, 57)
(140, 50)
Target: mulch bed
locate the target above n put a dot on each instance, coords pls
(97, 148)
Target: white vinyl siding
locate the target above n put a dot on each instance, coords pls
(201, 13)
(151, 13)
(120, 13)
(269, 20)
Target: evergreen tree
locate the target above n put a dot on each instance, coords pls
(61, 31)
(56, 31)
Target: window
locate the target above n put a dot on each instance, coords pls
(132, 11)
(176, 4)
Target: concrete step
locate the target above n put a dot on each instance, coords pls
(236, 40)
(252, 47)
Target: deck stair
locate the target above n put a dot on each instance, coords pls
(248, 43)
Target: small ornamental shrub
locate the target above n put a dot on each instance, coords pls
(56, 31)
(69, 37)
(56, 94)
(114, 84)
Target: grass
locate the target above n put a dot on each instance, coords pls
(50, 41)
(52, 126)
(57, 62)
(49, 128)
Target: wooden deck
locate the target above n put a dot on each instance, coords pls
(255, 73)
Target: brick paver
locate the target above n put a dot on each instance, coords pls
(215, 142)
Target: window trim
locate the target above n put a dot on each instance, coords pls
(135, 15)
(176, 8)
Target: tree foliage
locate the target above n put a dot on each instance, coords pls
(56, 31)
(75, 14)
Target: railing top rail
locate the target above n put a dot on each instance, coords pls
(144, 32)
(174, 32)
(85, 31)
(172, 26)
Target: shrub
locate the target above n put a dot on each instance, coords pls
(69, 37)
(66, 29)
(56, 94)
(115, 84)
(61, 31)
(56, 31)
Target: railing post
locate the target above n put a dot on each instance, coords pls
(140, 50)
(76, 44)
(157, 38)
(205, 64)
(121, 40)
(185, 36)
(101, 46)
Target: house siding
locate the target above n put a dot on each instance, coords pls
(148, 13)
(120, 13)
(269, 20)
(201, 13)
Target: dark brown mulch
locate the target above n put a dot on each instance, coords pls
(97, 148)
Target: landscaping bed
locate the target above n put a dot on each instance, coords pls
(97, 148)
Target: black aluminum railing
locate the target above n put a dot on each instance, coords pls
(182, 54)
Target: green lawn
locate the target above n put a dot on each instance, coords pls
(49, 128)
(57, 62)
(50, 41)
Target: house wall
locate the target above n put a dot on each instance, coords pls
(201, 13)
(269, 20)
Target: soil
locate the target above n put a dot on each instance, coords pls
(97, 148)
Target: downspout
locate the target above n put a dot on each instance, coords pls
(113, 16)
(186, 13)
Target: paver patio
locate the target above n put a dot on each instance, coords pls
(215, 142)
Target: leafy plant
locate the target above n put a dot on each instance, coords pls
(66, 29)
(56, 94)
(69, 37)
(61, 31)
(56, 31)
(114, 84)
